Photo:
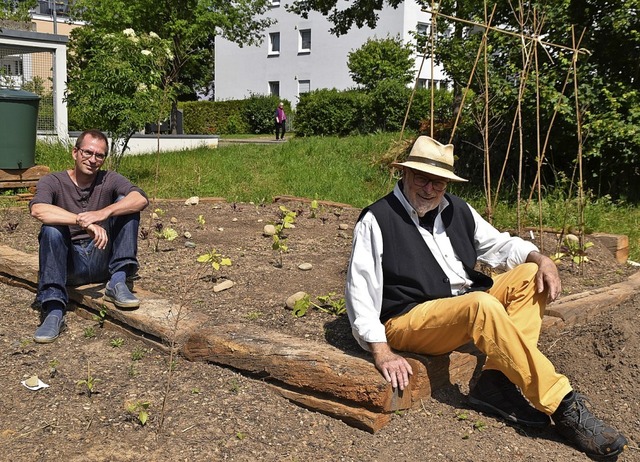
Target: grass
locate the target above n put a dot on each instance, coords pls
(345, 170)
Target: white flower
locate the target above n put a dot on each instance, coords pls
(142, 87)
(146, 52)
(129, 32)
(154, 35)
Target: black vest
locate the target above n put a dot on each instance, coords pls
(411, 273)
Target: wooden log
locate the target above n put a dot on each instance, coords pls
(323, 370)
(588, 305)
(32, 173)
(352, 415)
(18, 184)
(318, 368)
(618, 245)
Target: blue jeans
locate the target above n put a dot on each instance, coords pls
(63, 262)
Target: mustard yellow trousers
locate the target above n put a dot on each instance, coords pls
(504, 323)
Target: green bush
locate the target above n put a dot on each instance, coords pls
(208, 117)
(332, 112)
(389, 101)
(259, 112)
(252, 115)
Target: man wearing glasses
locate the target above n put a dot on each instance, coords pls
(89, 233)
(412, 286)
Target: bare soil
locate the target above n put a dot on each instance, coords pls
(212, 413)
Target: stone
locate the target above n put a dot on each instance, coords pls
(292, 299)
(155, 216)
(187, 235)
(174, 220)
(343, 226)
(194, 200)
(343, 235)
(269, 230)
(190, 245)
(224, 285)
(221, 229)
(305, 266)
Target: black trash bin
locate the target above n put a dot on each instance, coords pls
(18, 128)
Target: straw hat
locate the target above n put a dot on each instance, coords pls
(429, 156)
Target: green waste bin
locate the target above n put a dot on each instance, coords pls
(18, 128)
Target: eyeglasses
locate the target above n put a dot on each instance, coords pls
(421, 181)
(86, 154)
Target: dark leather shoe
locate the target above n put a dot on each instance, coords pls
(121, 296)
(589, 434)
(50, 328)
(495, 394)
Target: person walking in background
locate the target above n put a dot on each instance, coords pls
(90, 219)
(281, 121)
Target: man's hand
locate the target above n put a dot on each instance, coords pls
(85, 219)
(394, 368)
(99, 235)
(547, 277)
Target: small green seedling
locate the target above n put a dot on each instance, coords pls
(287, 220)
(571, 248)
(159, 213)
(253, 315)
(163, 234)
(479, 425)
(116, 342)
(89, 383)
(201, 221)
(327, 303)
(89, 332)
(139, 409)
(314, 209)
(100, 317)
(234, 386)
(137, 354)
(132, 371)
(216, 260)
(53, 367)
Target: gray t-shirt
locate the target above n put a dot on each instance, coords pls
(58, 189)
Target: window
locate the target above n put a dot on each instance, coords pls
(305, 41)
(61, 7)
(274, 88)
(423, 28)
(304, 86)
(274, 43)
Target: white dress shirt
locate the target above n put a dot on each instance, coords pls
(364, 277)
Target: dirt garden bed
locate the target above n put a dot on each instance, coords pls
(214, 413)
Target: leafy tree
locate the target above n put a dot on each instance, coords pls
(609, 82)
(17, 10)
(117, 83)
(380, 59)
(358, 12)
(189, 25)
(608, 92)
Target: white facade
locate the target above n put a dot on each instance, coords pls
(299, 55)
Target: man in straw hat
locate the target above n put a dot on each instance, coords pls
(411, 286)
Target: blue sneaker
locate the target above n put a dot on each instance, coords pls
(121, 296)
(50, 328)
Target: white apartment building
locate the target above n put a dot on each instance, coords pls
(299, 55)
